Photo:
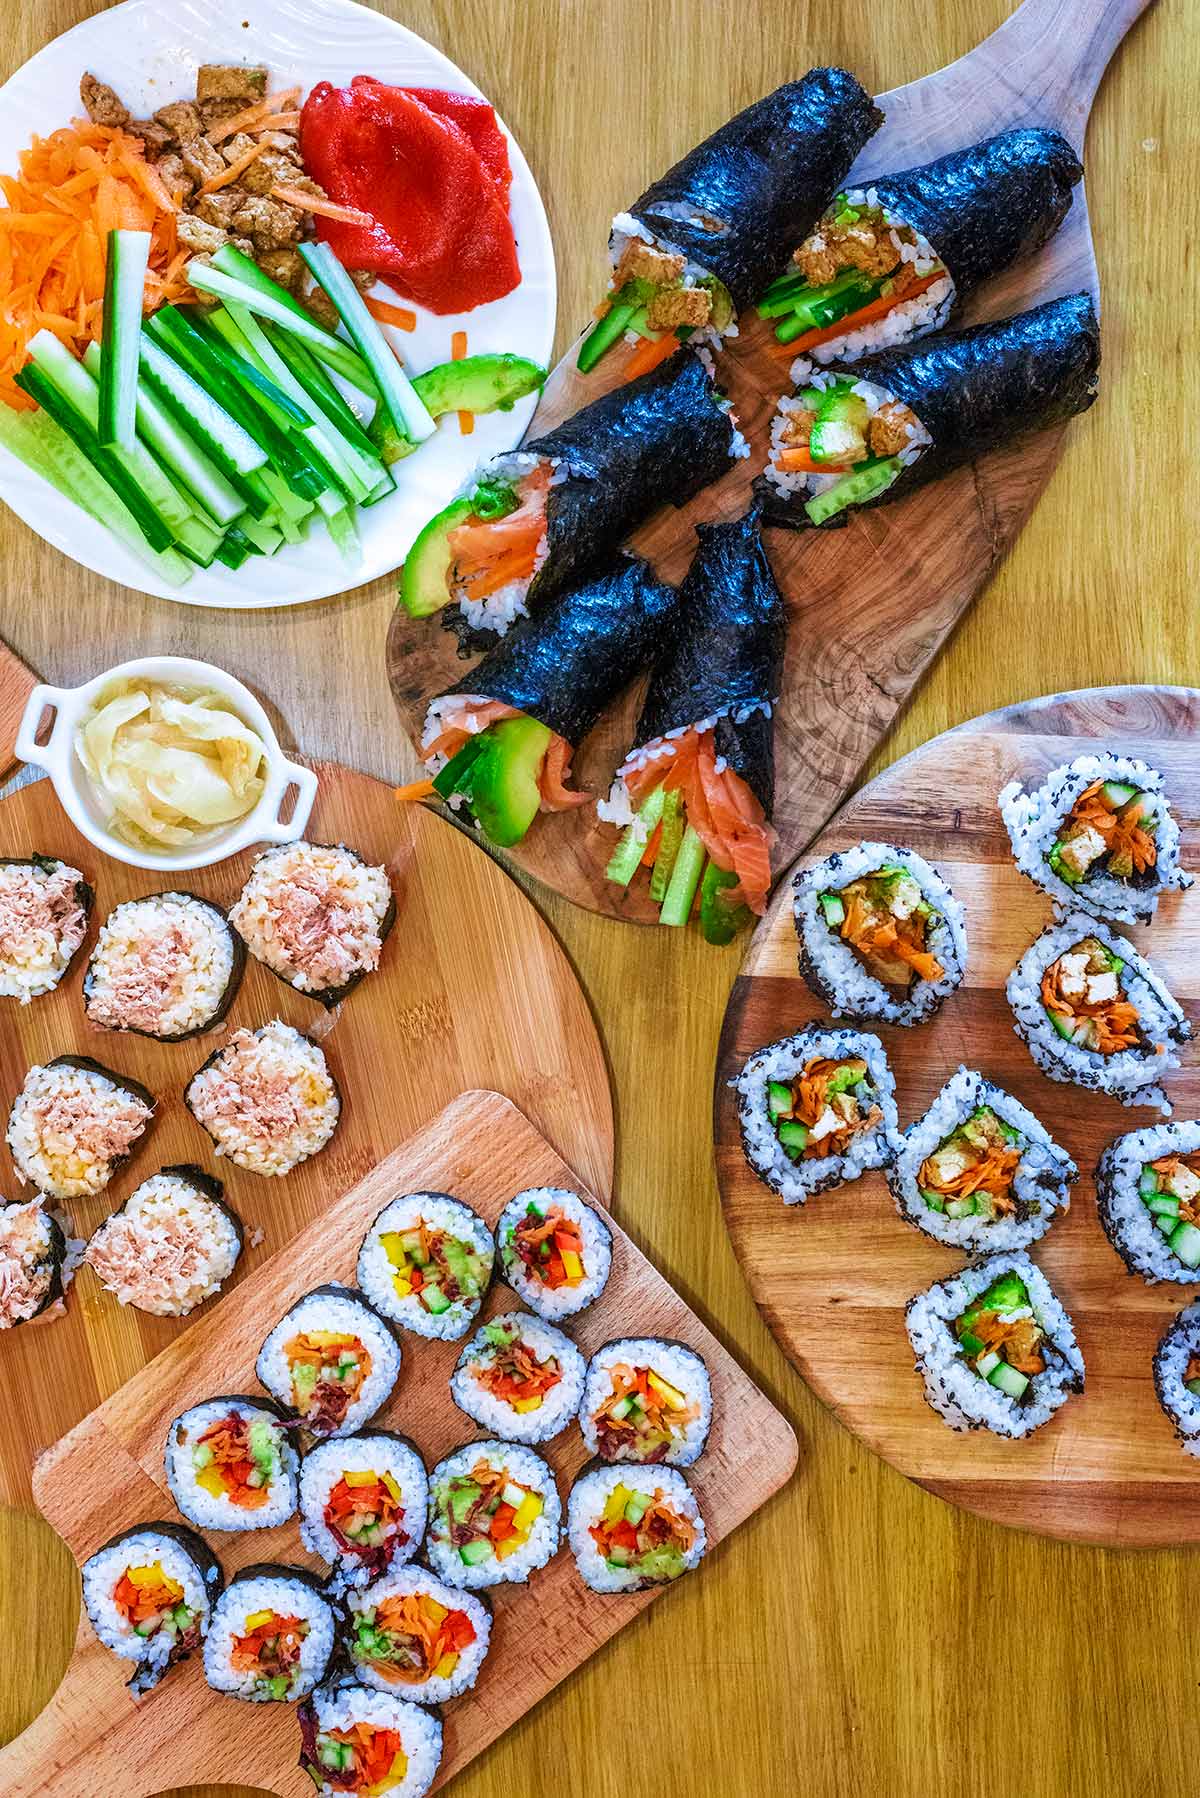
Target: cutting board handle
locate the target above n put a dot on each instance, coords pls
(1054, 52)
(16, 684)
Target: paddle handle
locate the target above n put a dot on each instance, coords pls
(1054, 52)
(16, 684)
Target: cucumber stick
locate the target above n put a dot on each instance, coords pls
(408, 413)
(233, 450)
(283, 310)
(124, 291)
(627, 856)
(685, 878)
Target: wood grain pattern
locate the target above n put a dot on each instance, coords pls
(833, 1276)
(108, 1475)
(16, 684)
(869, 606)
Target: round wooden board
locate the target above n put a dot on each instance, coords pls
(832, 1278)
(473, 991)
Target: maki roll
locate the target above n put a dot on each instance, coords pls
(171, 1246)
(355, 1740)
(817, 1109)
(698, 786)
(500, 742)
(646, 1400)
(363, 1501)
(332, 1360)
(1098, 835)
(168, 967)
(271, 1636)
(881, 934)
(890, 259)
(555, 1251)
(33, 1262)
(536, 521)
(519, 1378)
(231, 1465)
(494, 1515)
(317, 915)
(267, 1099)
(869, 434)
(44, 909)
(979, 1171)
(411, 1634)
(703, 242)
(1148, 1199)
(1093, 1013)
(426, 1263)
(1177, 1376)
(632, 1530)
(73, 1124)
(995, 1348)
(149, 1595)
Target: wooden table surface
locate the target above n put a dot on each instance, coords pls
(858, 1635)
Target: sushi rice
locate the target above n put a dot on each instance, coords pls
(44, 909)
(1152, 1218)
(466, 1494)
(551, 1287)
(331, 1726)
(393, 1645)
(167, 966)
(73, 1124)
(646, 1400)
(149, 1594)
(1177, 1376)
(455, 1249)
(171, 1246)
(389, 1474)
(209, 1500)
(267, 1099)
(659, 1510)
(317, 915)
(519, 1378)
(332, 1360)
(289, 1623)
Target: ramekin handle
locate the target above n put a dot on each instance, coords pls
(26, 747)
(305, 782)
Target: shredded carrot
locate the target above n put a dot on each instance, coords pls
(279, 121)
(416, 789)
(325, 209)
(649, 353)
(232, 173)
(252, 115)
(387, 314)
(458, 346)
(854, 321)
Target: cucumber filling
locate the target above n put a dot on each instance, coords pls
(1110, 830)
(1084, 999)
(856, 267)
(823, 1108)
(1170, 1190)
(1001, 1339)
(654, 290)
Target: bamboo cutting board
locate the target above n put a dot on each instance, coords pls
(108, 1475)
(832, 1277)
(870, 606)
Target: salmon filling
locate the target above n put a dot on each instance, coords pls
(1001, 1338)
(409, 1638)
(511, 1370)
(643, 1417)
(1110, 829)
(499, 543)
(971, 1172)
(550, 1247)
(640, 1533)
(1083, 998)
(883, 917)
(821, 1111)
(328, 1369)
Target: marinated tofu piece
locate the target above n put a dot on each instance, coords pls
(201, 161)
(156, 139)
(219, 209)
(269, 225)
(316, 301)
(237, 146)
(219, 112)
(230, 81)
(640, 261)
(182, 119)
(175, 177)
(101, 103)
(271, 167)
(285, 266)
(674, 306)
(201, 238)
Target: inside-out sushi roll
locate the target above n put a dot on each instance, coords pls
(995, 1347)
(979, 1171)
(44, 910)
(332, 1360)
(267, 1099)
(33, 1260)
(149, 1594)
(271, 1635)
(167, 966)
(631, 1530)
(73, 1124)
(881, 934)
(1098, 835)
(1177, 1376)
(412, 1634)
(646, 1400)
(817, 1109)
(317, 915)
(1092, 1011)
(555, 1251)
(363, 1503)
(173, 1243)
(355, 1740)
(1148, 1200)
(519, 1378)
(494, 1515)
(426, 1263)
(231, 1464)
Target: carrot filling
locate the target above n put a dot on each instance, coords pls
(823, 1108)
(549, 1246)
(1083, 998)
(641, 1534)
(503, 765)
(150, 1602)
(236, 1460)
(1191, 1378)
(363, 1513)
(643, 1416)
(1000, 1337)
(887, 922)
(1110, 830)
(510, 1370)
(499, 542)
(362, 1759)
(972, 1170)
(328, 1369)
(486, 1513)
(409, 1638)
(1170, 1190)
(436, 1269)
(270, 1649)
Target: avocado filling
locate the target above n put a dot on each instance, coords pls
(482, 551)
(971, 1171)
(1084, 999)
(436, 1269)
(1001, 1338)
(410, 1638)
(825, 1106)
(548, 1244)
(886, 921)
(643, 1417)
(237, 1460)
(328, 1369)
(1170, 1191)
(502, 765)
(509, 1370)
(152, 1604)
(639, 1533)
(487, 1513)
(269, 1648)
(841, 443)
(1110, 829)
(363, 1513)
(363, 1758)
(655, 293)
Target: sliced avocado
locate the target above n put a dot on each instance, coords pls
(491, 383)
(504, 793)
(262, 1446)
(835, 440)
(841, 406)
(850, 1075)
(661, 1564)
(425, 576)
(834, 909)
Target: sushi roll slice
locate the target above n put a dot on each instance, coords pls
(817, 1109)
(979, 1171)
(1177, 1376)
(411, 1634)
(44, 909)
(1093, 1013)
(426, 1263)
(267, 1099)
(357, 1741)
(646, 1400)
(172, 1245)
(1098, 835)
(363, 1504)
(149, 1595)
(317, 915)
(231, 1465)
(494, 1515)
(1148, 1199)
(519, 1378)
(332, 1361)
(168, 967)
(271, 1636)
(995, 1348)
(73, 1124)
(881, 934)
(632, 1530)
(555, 1251)
(33, 1262)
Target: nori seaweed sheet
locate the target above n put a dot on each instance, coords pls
(974, 390)
(565, 666)
(766, 175)
(725, 653)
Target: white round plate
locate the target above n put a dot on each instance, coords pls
(149, 52)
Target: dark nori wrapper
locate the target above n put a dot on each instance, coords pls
(328, 996)
(55, 1256)
(227, 997)
(974, 390)
(766, 175)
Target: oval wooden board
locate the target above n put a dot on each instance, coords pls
(473, 989)
(870, 606)
(108, 1475)
(832, 1278)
